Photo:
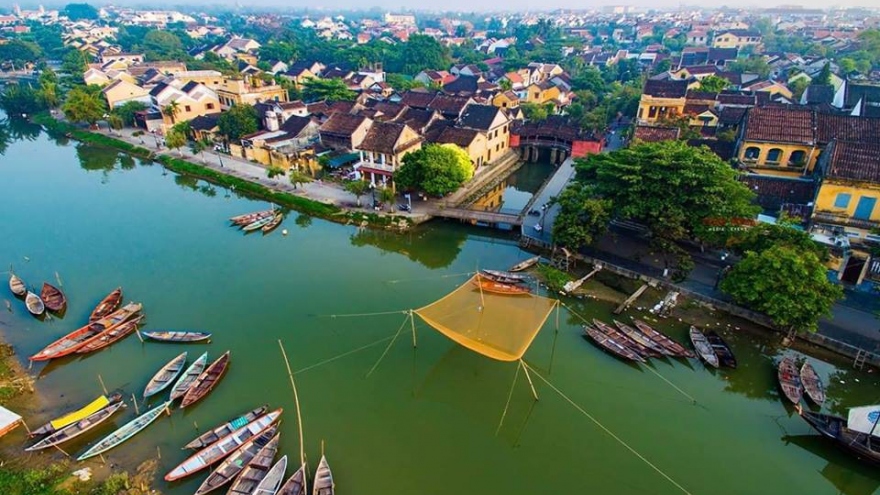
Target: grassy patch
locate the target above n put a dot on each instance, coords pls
(553, 278)
(56, 480)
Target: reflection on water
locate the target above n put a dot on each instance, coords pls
(847, 477)
(12, 130)
(515, 192)
(432, 248)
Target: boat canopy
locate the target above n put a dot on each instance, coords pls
(863, 419)
(68, 419)
(497, 326)
(8, 420)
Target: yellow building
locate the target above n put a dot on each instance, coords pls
(850, 187)
(779, 141)
(737, 38)
(120, 92)
(382, 151)
(248, 91)
(493, 123)
(506, 99)
(210, 78)
(662, 100)
(189, 100)
(542, 92)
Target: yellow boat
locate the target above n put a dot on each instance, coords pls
(70, 418)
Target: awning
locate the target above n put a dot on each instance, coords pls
(8, 420)
(338, 161)
(863, 419)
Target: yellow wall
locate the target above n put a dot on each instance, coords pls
(727, 40)
(497, 141)
(829, 191)
(188, 110)
(537, 95)
(502, 101)
(810, 156)
(235, 92)
(662, 108)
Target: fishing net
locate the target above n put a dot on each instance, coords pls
(499, 326)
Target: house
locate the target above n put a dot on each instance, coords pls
(472, 141)
(862, 99)
(281, 146)
(120, 92)
(737, 38)
(190, 100)
(125, 58)
(249, 91)
(506, 99)
(450, 107)
(433, 77)
(343, 131)
(542, 92)
(210, 78)
(382, 150)
(696, 37)
(205, 127)
(298, 74)
(662, 99)
(275, 113)
(470, 70)
(463, 85)
(515, 79)
(276, 66)
(493, 123)
(235, 46)
(95, 76)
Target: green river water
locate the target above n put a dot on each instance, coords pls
(426, 421)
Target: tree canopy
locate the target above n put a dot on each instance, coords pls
(21, 99)
(84, 105)
(713, 84)
(582, 218)
(677, 191)
(435, 169)
(79, 11)
(788, 285)
(239, 121)
(19, 52)
(422, 52)
(763, 236)
(315, 89)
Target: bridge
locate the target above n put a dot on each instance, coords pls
(562, 137)
(478, 216)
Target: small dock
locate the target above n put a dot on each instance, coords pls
(629, 300)
(478, 216)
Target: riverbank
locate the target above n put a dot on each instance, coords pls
(284, 195)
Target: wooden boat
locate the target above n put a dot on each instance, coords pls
(79, 337)
(296, 484)
(812, 383)
(223, 447)
(273, 479)
(76, 429)
(722, 350)
(125, 432)
(790, 380)
(165, 376)
(253, 474)
(111, 336)
(188, 377)
(522, 265)
(34, 304)
(701, 345)
(323, 479)
(165, 336)
(107, 305)
(238, 460)
(503, 276)
(257, 224)
(276, 221)
(499, 288)
(206, 382)
(857, 442)
(225, 429)
(670, 347)
(639, 337)
(74, 416)
(52, 297)
(251, 217)
(622, 338)
(16, 285)
(611, 345)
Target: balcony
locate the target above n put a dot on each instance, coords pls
(844, 219)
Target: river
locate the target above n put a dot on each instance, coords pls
(425, 417)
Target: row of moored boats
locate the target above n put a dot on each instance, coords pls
(264, 220)
(50, 298)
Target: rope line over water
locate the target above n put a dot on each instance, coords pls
(344, 354)
(354, 315)
(388, 347)
(652, 370)
(438, 277)
(608, 431)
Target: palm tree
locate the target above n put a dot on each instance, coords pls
(171, 110)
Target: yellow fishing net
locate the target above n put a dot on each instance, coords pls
(499, 326)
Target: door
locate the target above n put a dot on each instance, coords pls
(865, 208)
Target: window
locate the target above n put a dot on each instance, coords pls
(797, 158)
(209, 106)
(774, 155)
(842, 200)
(187, 108)
(752, 153)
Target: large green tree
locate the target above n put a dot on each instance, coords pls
(713, 84)
(83, 105)
(435, 169)
(762, 236)
(127, 111)
(239, 121)
(79, 11)
(788, 285)
(422, 52)
(162, 45)
(582, 217)
(315, 89)
(19, 52)
(677, 191)
(751, 65)
(21, 99)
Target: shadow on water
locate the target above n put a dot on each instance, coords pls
(433, 248)
(12, 130)
(847, 474)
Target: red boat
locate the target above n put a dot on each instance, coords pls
(71, 342)
(500, 288)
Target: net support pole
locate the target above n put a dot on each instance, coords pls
(529, 378)
(557, 316)
(412, 324)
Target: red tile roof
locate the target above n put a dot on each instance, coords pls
(780, 125)
(859, 161)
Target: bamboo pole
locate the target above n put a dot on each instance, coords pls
(135, 402)
(140, 337)
(61, 450)
(103, 387)
(529, 378)
(302, 450)
(412, 322)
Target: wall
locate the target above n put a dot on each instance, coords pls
(663, 108)
(810, 153)
(583, 148)
(828, 193)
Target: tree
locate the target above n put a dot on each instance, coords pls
(74, 63)
(115, 122)
(79, 11)
(534, 112)
(331, 90)
(184, 128)
(798, 86)
(198, 147)
(19, 52)
(21, 99)
(824, 76)
(762, 236)
(239, 121)
(400, 82)
(175, 140)
(48, 93)
(358, 188)
(789, 286)
(162, 45)
(422, 52)
(505, 84)
(298, 178)
(713, 84)
(83, 105)
(582, 218)
(677, 191)
(386, 195)
(127, 111)
(435, 169)
(171, 110)
(751, 65)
